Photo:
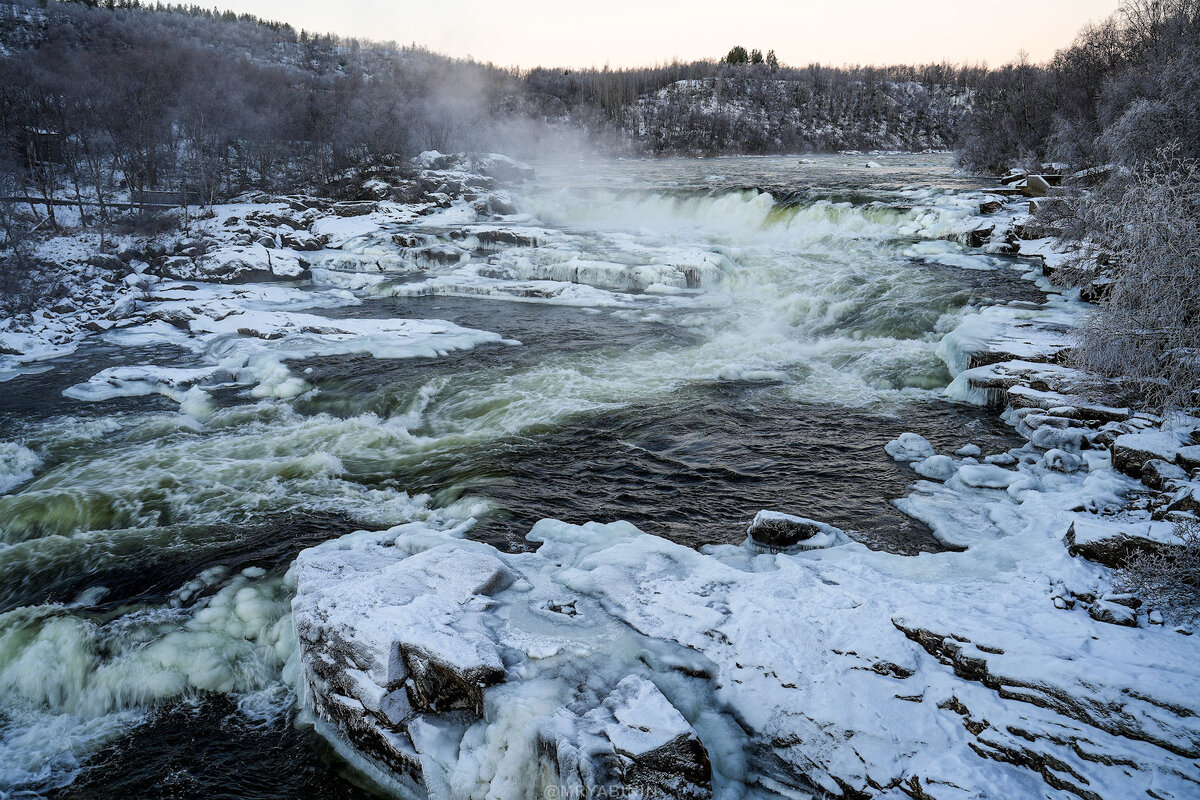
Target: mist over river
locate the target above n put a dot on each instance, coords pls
(676, 343)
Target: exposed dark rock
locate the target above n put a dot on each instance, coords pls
(507, 237)
(438, 686)
(302, 240)
(979, 237)
(1157, 473)
(1096, 291)
(105, 261)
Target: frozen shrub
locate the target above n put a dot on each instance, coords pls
(1168, 581)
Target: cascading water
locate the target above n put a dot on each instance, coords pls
(690, 351)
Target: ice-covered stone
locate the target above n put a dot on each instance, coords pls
(635, 743)
(938, 468)
(774, 532)
(909, 447)
(629, 660)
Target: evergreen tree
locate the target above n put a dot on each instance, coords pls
(737, 55)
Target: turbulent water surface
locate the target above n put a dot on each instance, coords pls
(145, 642)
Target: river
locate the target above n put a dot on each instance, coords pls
(145, 640)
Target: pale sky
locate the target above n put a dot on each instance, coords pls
(530, 33)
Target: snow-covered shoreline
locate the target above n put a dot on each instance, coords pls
(1009, 669)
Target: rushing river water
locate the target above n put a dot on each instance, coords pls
(144, 637)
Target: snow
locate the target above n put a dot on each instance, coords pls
(938, 468)
(987, 476)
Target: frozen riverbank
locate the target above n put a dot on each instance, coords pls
(1009, 669)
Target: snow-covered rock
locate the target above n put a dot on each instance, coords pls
(1131, 451)
(775, 532)
(1112, 540)
(615, 659)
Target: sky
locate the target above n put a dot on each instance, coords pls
(624, 33)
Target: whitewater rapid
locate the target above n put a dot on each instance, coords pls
(147, 527)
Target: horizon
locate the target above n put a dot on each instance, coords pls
(625, 34)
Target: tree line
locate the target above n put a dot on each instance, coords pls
(98, 100)
(744, 105)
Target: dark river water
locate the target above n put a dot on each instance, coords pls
(145, 640)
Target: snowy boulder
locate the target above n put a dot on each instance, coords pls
(301, 240)
(774, 532)
(968, 450)
(1035, 186)
(1189, 457)
(1185, 498)
(634, 744)
(353, 208)
(938, 468)
(1113, 613)
(1113, 542)
(1160, 475)
(987, 476)
(909, 447)
(1131, 451)
(873, 165)
(490, 165)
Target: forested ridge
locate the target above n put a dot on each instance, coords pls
(128, 97)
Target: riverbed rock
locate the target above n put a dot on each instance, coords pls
(1036, 186)
(1157, 474)
(774, 532)
(979, 237)
(302, 240)
(353, 208)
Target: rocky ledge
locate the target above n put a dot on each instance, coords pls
(610, 661)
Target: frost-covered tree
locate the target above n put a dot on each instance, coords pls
(1169, 580)
(1147, 332)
